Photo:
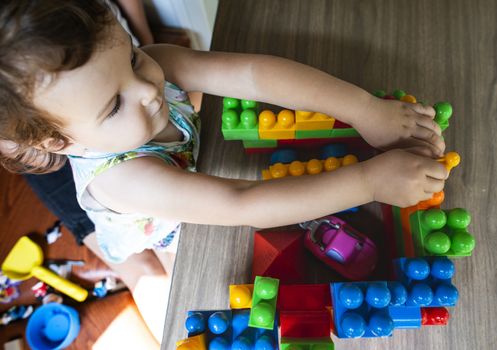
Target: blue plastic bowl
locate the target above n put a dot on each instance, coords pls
(52, 327)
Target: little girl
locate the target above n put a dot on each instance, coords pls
(73, 86)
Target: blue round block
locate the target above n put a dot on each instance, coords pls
(442, 268)
(337, 150)
(398, 293)
(52, 327)
(353, 325)
(446, 294)
(218, 322)
(284, 156)
(381, 324)
(351, 296)
(265, 343)
(242, 343)
(417, 269)
(195, 323)
(219, 343)
(420, 295)
(378, 295)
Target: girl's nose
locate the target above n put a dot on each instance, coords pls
(149, 94)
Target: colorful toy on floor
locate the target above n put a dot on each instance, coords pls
(25, 260)
(15, 313)
(341, 247)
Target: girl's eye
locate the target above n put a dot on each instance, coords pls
(116, 107)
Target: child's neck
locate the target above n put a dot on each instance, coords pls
(169, 134)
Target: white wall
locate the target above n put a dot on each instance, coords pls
(195, 16)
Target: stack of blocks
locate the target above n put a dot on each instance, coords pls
(240, 122)
(417, 294)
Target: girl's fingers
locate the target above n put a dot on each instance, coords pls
(429, 123)
(426, 110)
(434, 185)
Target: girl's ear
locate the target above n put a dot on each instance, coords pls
(57, 146)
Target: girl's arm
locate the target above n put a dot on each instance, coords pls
(384, 124)
(149, 186)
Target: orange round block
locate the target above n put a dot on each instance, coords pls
(349, 159)
(314, 166)
(286, 118)
(408, 98)
(332, 163)
(296, 168)
(278, 170)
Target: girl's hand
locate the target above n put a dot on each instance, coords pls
(388, 124)
(403, 179)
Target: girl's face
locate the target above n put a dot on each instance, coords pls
(113, 103)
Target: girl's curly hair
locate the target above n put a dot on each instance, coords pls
(40, 37)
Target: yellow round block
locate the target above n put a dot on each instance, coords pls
(314, 166)
(349, 159)
(408, 98)
(286, 118)
(267, 119)
(296, 168)
(240, 297)
(278, 170)
(332, 163)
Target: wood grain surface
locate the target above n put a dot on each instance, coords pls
(436, 50)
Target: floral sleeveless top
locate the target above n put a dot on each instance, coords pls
(121, 235)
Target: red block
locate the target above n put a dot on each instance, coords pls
(305, 324)
(434, 316)
(304, 297)
(341, 125)
(279, 254)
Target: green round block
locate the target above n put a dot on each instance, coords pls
(434, 219)
(267, 288)
(458, 218)
(380, 93)
(398, 94)
(437, 243)
(462, 242)
(248, 119)
(443, 112)
(230, 103)
(230, 119)
(249, 104)
(263, 314)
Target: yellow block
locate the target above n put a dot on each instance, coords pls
(241, 296)
(313, 121)
(277, 128)
(197, 342)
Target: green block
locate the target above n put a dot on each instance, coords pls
(240, 126)
(263, 311)
(260, 143)
(443, 125)
(347, 132)
(307, 344)
(399, 236)
(439, 232)
(313, 134)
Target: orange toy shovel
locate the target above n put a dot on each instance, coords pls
(24, 261)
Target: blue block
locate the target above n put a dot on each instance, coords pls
(405, 316)
(427, 281)
(361, 309)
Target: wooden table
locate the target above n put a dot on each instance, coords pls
(437, 50)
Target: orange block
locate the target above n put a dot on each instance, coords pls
(313, 121)
(280, 128)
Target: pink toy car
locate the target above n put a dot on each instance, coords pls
(341, 247)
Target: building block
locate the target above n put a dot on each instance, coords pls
(197, 342)
(260, 144)
(434, 316)
(306, 344)
(241, 296)
(360, 309)
(341, 125)
(228, 329)
(311, 167)
(443, 112)
(240, 126)
(350, 132)
(313, 121)
(442, 232)
(404, 236)
(279, 254)
(263, 311)
(427, 281)
(313, 134)
(281, 127)
(405, 316)
(239, 119)
(305, 324)
(290, 297)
